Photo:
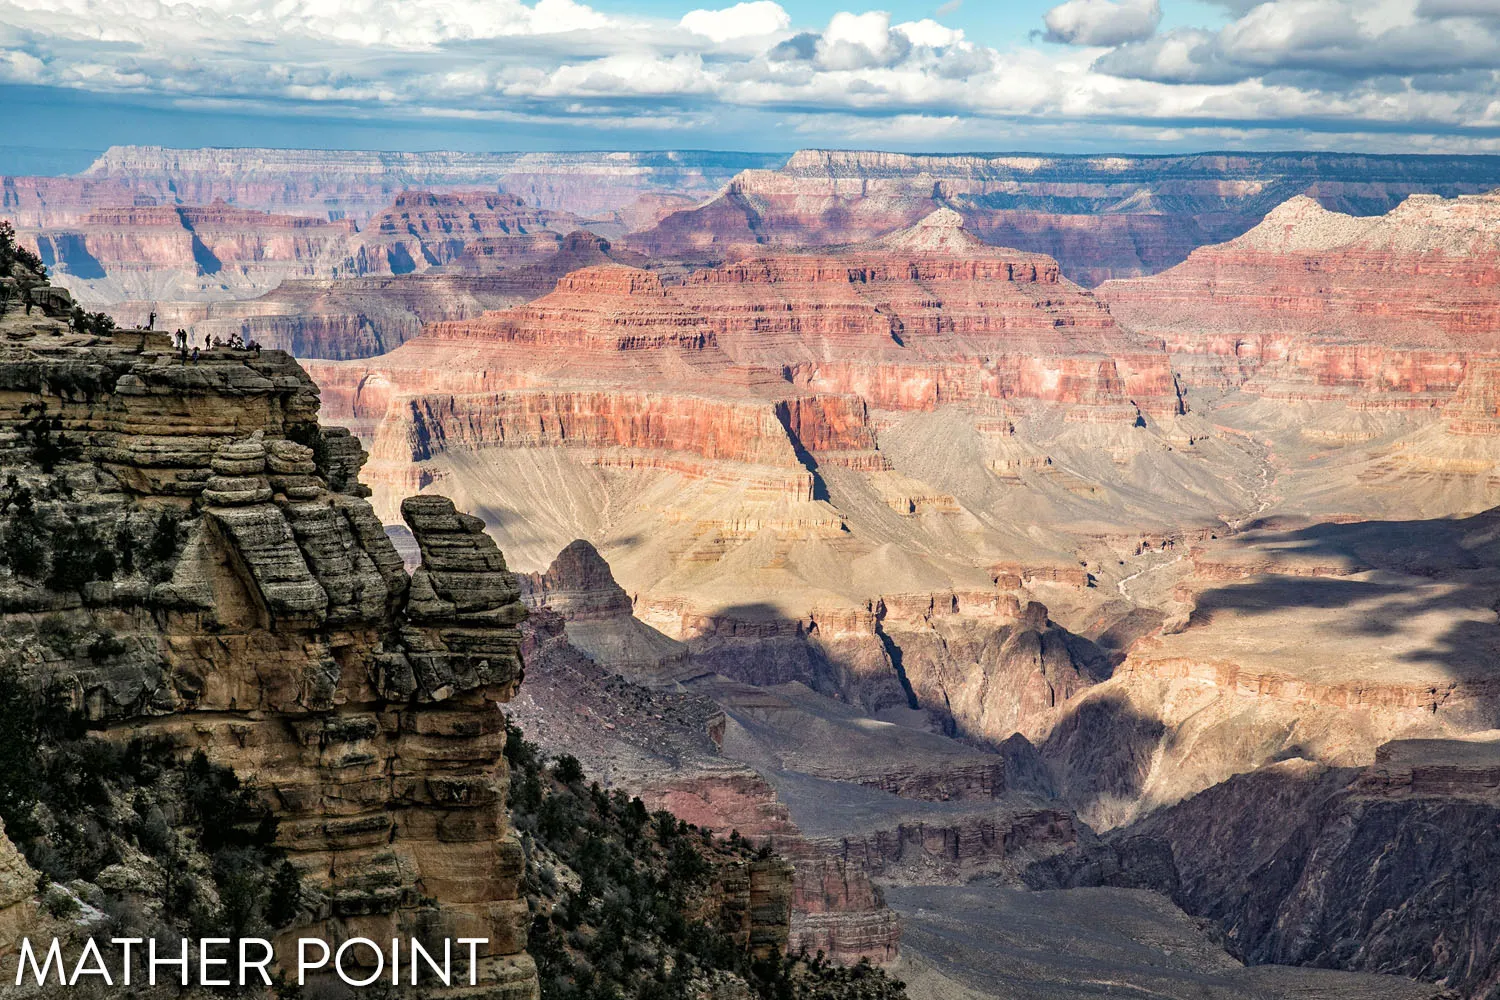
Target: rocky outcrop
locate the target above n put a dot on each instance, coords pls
(1388, 868)
(665, 745)
(989, 675)
(1100, 217)
(601, 620)
(252, 607)
(18, 886)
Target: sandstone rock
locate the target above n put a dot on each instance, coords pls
(1106, 217)
(18, 886)
(274, 632)
(1323, 866)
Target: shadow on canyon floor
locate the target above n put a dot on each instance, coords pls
(1427, 591)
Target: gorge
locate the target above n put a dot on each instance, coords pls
(989, 551)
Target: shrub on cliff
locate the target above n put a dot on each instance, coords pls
(15, 257)
(97, 323)
(618, 898)
(182, 846)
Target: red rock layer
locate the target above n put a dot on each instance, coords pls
(769, 362)
(1333, 306)
(424, 229)
(1101, 217)
(201, 240)
(547, 418)
(929, 315)
(1475, 406)
(31, 202)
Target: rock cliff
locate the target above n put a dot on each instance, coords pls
(212, 579)
(1100, 217)
(1385, 868)
(1312, 303)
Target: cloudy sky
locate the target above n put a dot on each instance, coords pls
(1081, 75)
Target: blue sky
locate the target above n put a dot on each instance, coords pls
(1070, 76)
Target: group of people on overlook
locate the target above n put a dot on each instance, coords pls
(189, 351)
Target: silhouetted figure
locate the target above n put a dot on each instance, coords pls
(195, 354)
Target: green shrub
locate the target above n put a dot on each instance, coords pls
(12, 253)
(79, 557)
(628, 930)
(63, 804)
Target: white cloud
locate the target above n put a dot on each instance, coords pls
(744, 20)
(1459, 8)
(928, 32)
(1352, 39)
(1102, 22)
(1348, 67)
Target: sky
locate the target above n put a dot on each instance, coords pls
(767, 75)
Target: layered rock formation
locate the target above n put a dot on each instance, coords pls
(1386, 868)
(152, 252)
(1400, 615)
(421, 229)
(1100, 217)
(747, 400)
(336, 183)
(1384, 310)
(167, 251)
(355, 317)
(253, 608)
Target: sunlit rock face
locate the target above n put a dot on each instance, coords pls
(1099, 217)
(263, 617)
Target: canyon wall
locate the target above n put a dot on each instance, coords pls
(1100, 217)
(1383, 310)
(1385, 868)
(355, 183)
(150, 252)
(252, 608)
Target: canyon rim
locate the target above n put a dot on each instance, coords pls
(547, 500)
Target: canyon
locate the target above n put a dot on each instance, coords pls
(355, 184)
(936, 484)
(1100, 217)
(205, 629)
(845, 515)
